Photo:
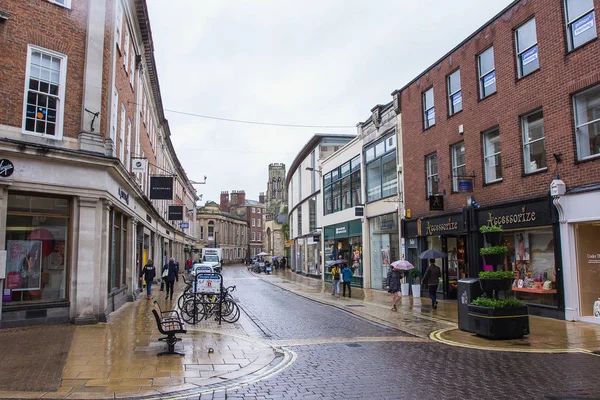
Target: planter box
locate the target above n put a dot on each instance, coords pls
(500, 323)
(494, 259)
(493, 238)
(405, 289)
(416, 290)
(489, 285)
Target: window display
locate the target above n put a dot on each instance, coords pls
(385, 247)
(36, 244)
(588, 268)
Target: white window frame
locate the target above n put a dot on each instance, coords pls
(431, 176)
(253, 210)
(60, 99)
(253, 236)
(132, 56)
(484, 74)
(489, 158)
(64, 3)
(258, 222)
(119, 26)
(122, 134)
(426, 124)
(570, 21)
(523, 51)
(527, 144)
(455, 166)
(451, 93)
(126, 50)
(259, 236)
(253, 222)
(587, 124)
(128, 144)
(258, 210)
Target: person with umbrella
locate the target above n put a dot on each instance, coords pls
(392, 284)
(432, 278)
(335, 278)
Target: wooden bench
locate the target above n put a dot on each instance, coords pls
(169, 323)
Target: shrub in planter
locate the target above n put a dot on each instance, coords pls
(415, 273)
(494, 255)
(492, 234)
(496, 280)
(499, 319)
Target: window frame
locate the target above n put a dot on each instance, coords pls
(519, 54)
(66, 5)
(378, 159)
(484, 74)
(345, 172)
(569, 25)
(451, 94)
(431, 177)
(525, 143)
(426, 110)
(60, 98)
(455, 166)
(578, 126)
(485, 139)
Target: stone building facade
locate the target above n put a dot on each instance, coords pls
(252, 211)
(275, 211)
(82, 130)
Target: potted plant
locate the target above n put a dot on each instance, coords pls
(494, 255)
(492, 234)
(499, 319)
(494, 281)
(415, 273)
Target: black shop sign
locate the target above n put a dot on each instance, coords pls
(442, 225)
(523, 215)
(175, 213)
(161, 188)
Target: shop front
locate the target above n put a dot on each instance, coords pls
(344, 242)
(532, 236)
(384, 245)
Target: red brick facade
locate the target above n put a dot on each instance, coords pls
(561, 74)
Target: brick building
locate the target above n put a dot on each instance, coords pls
(252, 211)
(82, 130)
(493, 122)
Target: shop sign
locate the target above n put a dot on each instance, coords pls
(6, 168)
(341, 230)
(515, 216)
(123, 195)
(436, 203)
(175, 213)
(289, 243)
(434, 229)
(161, 188)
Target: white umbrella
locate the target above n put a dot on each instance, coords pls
(402, 264)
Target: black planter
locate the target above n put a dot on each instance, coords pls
(490, 285)
(494, 259)
(493, 238)
(500, 323)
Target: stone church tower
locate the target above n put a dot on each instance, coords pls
(275, 210)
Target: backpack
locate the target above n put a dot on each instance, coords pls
(336, 275)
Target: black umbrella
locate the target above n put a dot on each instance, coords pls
(431, 253)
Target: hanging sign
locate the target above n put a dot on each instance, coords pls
(139, 165)
(175, 213)
(161, 188)
(6, 168)
(436, 203)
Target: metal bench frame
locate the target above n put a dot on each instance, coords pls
(169, 323)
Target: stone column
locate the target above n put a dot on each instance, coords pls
(132, 278)
(86, 267)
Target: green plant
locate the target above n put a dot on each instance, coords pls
(493, 303)
(415, 273)
(493, 250)
(490, 228)
(496, 275)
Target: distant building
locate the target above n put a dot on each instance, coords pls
(275, 211)
(250, 210)
(222, 229)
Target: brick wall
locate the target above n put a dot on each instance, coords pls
(550, 88)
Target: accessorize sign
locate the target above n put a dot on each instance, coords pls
(517, 216)
(161, 188)
(444, 225)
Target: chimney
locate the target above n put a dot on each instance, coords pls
(261, 198)
(234, 197)
(224, 203)
(241, 197)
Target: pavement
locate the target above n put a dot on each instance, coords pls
(118, 359)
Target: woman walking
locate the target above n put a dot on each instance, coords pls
(148, 272)
(393, 286)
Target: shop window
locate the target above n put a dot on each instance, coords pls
(432, 174)
(382, 178)
(487, 73)
(118, 250)
(44, 93)
(491, 153)
(527, 48)
(588, 264)
(581, 22)
(534, 149)
(385, 247)
(454, 93)
(37, 248)
(428, 109)
(459, 164)
(587, 122)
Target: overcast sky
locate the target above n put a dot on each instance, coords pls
(309, 62)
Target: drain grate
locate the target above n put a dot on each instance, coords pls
(353, 345)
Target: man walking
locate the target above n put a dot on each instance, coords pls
(432, 279)
(173, 275)
(347, 276)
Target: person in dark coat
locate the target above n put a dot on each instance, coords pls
(148, 273)
(392, 283)
(432, 280)
(283, 262)
(173, 270)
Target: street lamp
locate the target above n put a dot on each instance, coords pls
(198, 183)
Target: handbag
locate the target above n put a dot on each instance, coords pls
(165, 273)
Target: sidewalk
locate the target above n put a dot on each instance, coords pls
(416, 317)
(119, 359)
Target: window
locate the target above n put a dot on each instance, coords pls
(300, 220)
(428, 109)
(581, 26)
(491, 154)
(253, 222)
(253, 210)
(258, 222)
(122, 134)
(487, 73)
(432, 174)
(126, 50)
(132, 66)
(534, 151)
(119, 26)
(312, 214)
(118, 250)
(313, 181)
(43, 107)
(355, 181)
(382, 178)
(253, 235)
(259, 236)
(128, 144)
(201, 233)
(300, 182)
(211, 230)
(258, 210)
(64, 3)
(454, 93)
(341, 187)
(114, 114)
(459, 164)
(527, 49)
(587, 122)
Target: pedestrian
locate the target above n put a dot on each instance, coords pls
(335, 280)
(172, 276)
(148, 272)
(347, 276)
(392, 283)
(431, 278)
(188, 264)
(283, 262)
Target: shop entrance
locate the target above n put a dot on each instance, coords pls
(454, 266)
